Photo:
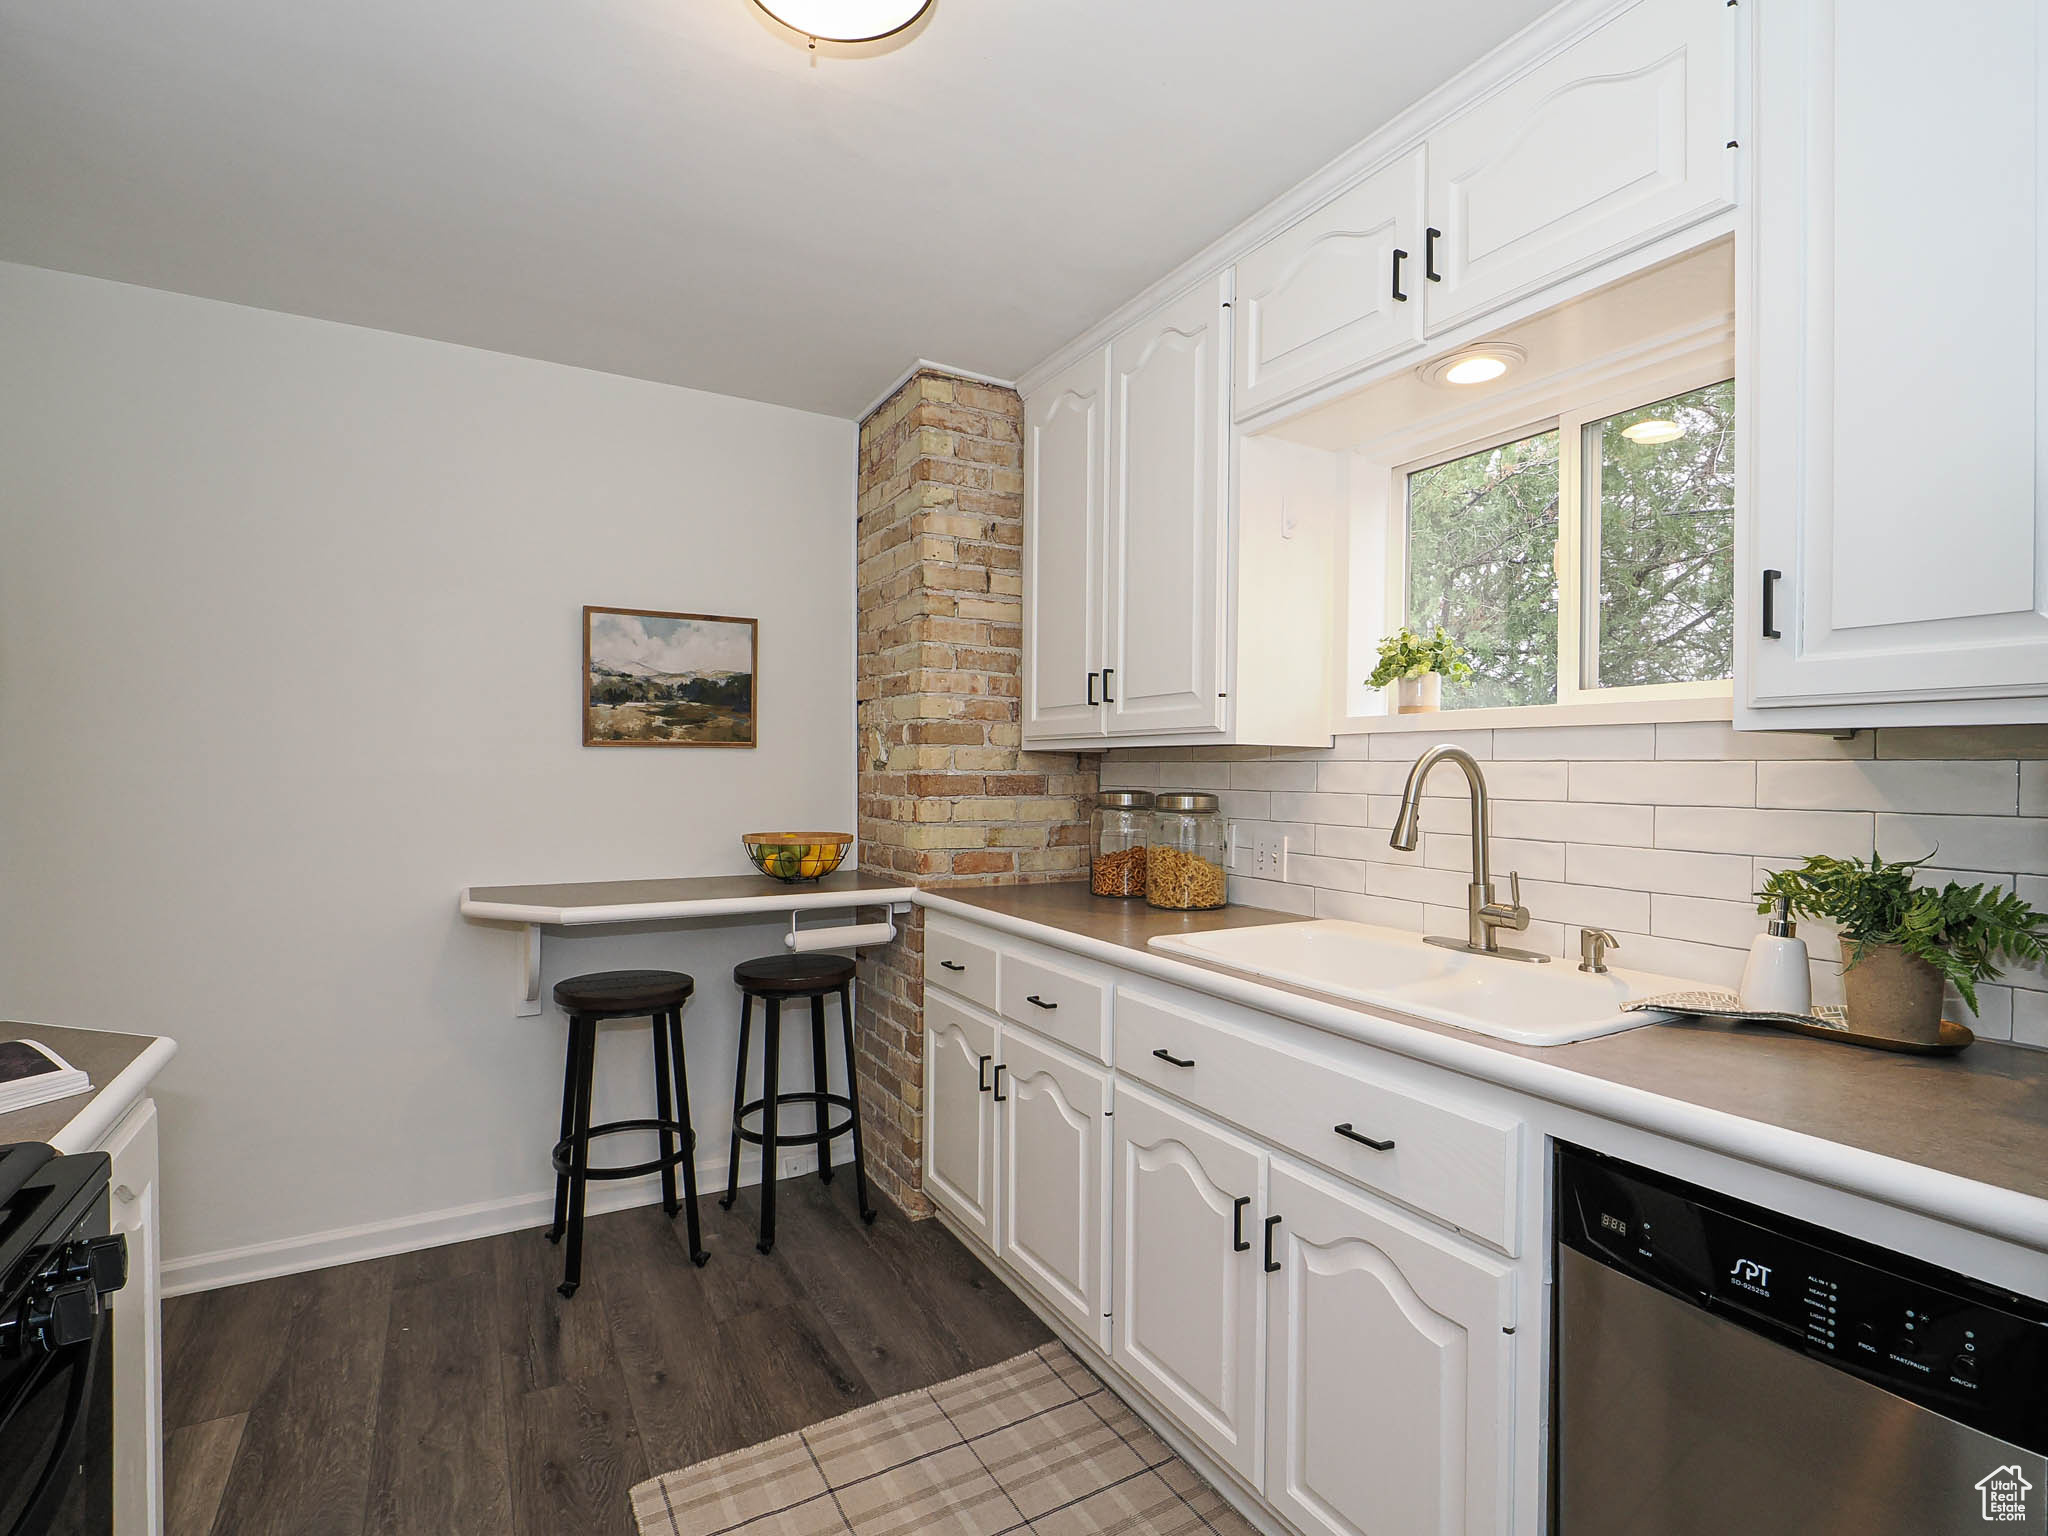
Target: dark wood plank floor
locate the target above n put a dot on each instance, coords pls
(453, 1392)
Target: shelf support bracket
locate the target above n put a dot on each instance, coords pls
(528, 1005)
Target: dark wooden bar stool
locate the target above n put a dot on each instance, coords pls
(658, 997)
(777, 979)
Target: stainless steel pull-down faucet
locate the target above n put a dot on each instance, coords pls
(1484, 915)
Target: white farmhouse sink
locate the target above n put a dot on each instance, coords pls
(1552, 1004)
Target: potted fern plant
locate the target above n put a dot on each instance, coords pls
(1901, 942)
(1419, 667)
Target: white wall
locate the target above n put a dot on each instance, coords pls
(1655, 832)
(289, 651)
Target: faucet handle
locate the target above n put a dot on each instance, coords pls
(1593, 946)
(1514, 888)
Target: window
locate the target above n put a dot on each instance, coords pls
(1627, 508)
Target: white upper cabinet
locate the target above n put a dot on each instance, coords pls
(1169, 429)
(1894, 562)
(1333, 293)
(1621, 138)
(1065, 479)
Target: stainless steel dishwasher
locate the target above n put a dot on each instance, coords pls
(1721, 1368)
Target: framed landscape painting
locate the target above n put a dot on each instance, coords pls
(668, 679)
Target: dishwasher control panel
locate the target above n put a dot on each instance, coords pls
(1937, 1338)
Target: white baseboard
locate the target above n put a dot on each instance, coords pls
(433, 1229)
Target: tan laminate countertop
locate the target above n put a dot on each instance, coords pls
(100, 1054)
(1981, 1115)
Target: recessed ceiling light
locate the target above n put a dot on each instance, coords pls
(1653, 432)
(1480, 363)
(845, 21)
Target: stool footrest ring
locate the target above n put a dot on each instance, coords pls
(563, 1163)
(818, 1101)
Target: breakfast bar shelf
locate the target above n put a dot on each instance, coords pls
(595, 903)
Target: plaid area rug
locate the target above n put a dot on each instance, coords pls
(1035, 1444)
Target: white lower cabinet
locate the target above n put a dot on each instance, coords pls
(1388, 1370)
(960, 1114)
(1186, 1214)
(1053, 1131)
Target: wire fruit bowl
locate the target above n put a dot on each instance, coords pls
(797, 857)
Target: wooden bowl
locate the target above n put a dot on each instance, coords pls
(797, 857)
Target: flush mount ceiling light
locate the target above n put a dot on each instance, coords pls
(1481, 363)
(1653, 432)
(845, 21)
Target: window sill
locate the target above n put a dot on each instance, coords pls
(1619, 712)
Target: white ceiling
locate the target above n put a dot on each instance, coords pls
(674, 189)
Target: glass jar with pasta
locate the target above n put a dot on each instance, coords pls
(1184, 861)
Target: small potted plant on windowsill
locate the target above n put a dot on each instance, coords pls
(1419, 667)
(1902, 942)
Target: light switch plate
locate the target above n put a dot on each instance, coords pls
(1269, 854)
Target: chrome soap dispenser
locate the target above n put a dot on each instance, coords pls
(1777, 978)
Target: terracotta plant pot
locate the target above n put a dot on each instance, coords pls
(1892, 994)
(1422, 695)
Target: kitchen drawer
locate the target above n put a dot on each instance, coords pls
(1061, 1004)
(960, 964)
(1458, 1162)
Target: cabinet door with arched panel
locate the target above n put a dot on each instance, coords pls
(1388, 1369)
(1054, 1130)
(1187, 1298)
(960, 1115)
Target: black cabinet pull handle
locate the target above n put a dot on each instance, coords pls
(1093, 678)
(1429, 240)
(1363, 1139)
(1238, 1242)
(999, 1084)
(1272, 1264)
(952, 965)
(1107, 674)
(1038, 1002)
(1172, 1060)
(981, 1073)
(1399, 257)
(1771, 605)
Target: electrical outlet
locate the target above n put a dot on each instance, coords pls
(1269, 854)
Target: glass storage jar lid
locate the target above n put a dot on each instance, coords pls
(1125, 800)
(1188, 800)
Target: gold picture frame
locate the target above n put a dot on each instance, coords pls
(658, 679)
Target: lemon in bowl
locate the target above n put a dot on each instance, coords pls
(797, 856)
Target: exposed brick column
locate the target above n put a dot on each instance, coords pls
(945, 797)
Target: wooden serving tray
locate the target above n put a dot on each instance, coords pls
(1827, 1021)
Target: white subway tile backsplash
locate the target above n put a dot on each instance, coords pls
(1723, 875)
(1706, 739)
(1578, 743)
(1571, 821)
(1324, 873)
(2034, 789)
(1386, 913)
(1406, 746)
(2030, 1018)
(1845, 834)
(1704, 920)
(1536, 861)
(1272, 775)
(1675, 783)
(1582, 906)
(1445, 887)
(2019, 844)
(1272, 896)
(1963, 741)
(1658, 833)
(1993, 1018)
(1965, 788)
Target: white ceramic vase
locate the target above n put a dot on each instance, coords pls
(1422, 695)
